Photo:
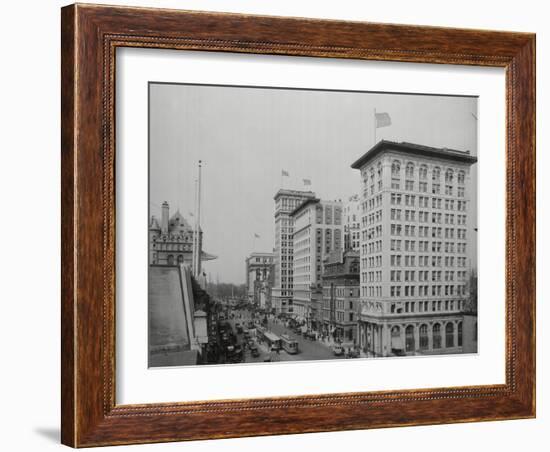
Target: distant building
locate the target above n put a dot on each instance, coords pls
(259, 279)
(415, 237)
(341, 302)
(352, 219)
(285, 202)
(171, 241)
(318, 231)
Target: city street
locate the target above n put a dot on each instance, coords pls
(307, 349)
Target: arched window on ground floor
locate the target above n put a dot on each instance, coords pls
(423, 337)
(409, 338)
(436, 334)
(449, 335)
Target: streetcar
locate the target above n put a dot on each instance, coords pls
(272, 340)
(289, 345)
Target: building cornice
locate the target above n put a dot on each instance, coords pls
(414, 150)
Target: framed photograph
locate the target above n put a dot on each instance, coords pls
(280, 225)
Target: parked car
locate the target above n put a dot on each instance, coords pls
(353, 353)
(254, 351)
(337, 350)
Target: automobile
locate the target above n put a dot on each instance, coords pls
(310, 335)
(254, 351)
(267, 359)
(353, 353)
(337, 350)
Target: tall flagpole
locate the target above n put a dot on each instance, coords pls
(198, 228)
(194, 234)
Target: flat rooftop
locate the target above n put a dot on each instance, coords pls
(286, 192)
(413, 149)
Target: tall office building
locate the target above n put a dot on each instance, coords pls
(318, 231)
(352, 219)
(285, 202)
(417, 239)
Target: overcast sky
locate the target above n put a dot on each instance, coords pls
(246, 136)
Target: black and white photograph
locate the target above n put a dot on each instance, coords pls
(294, 224)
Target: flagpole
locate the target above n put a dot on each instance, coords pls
(194, 266)
(199, 222)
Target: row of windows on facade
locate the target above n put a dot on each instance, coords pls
(423, 231)
(422, 188)
(398, 199)
(371, 203)
(410, 216)
(328, 215)
(372, 247)
(339, 316)
(436, 336)
(288, 203)
(285, 221)
(264, 260)
(410, 261)
(410, 186)
(340, 292)
(427, 306)
(424, 245)
(423, 216)
(410, 275)
(424, 275)
(173, 238)
(410, 171)
(170, 259)
(172, 246)
(424, 291)
(424, 261)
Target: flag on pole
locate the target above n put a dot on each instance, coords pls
(382, 120)
(307, 181)
(256, 236)
(285, 173)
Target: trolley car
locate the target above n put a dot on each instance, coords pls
(289, 345)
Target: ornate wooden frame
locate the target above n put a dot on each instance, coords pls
(90, 34)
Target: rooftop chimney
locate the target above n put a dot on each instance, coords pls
(164, 218)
